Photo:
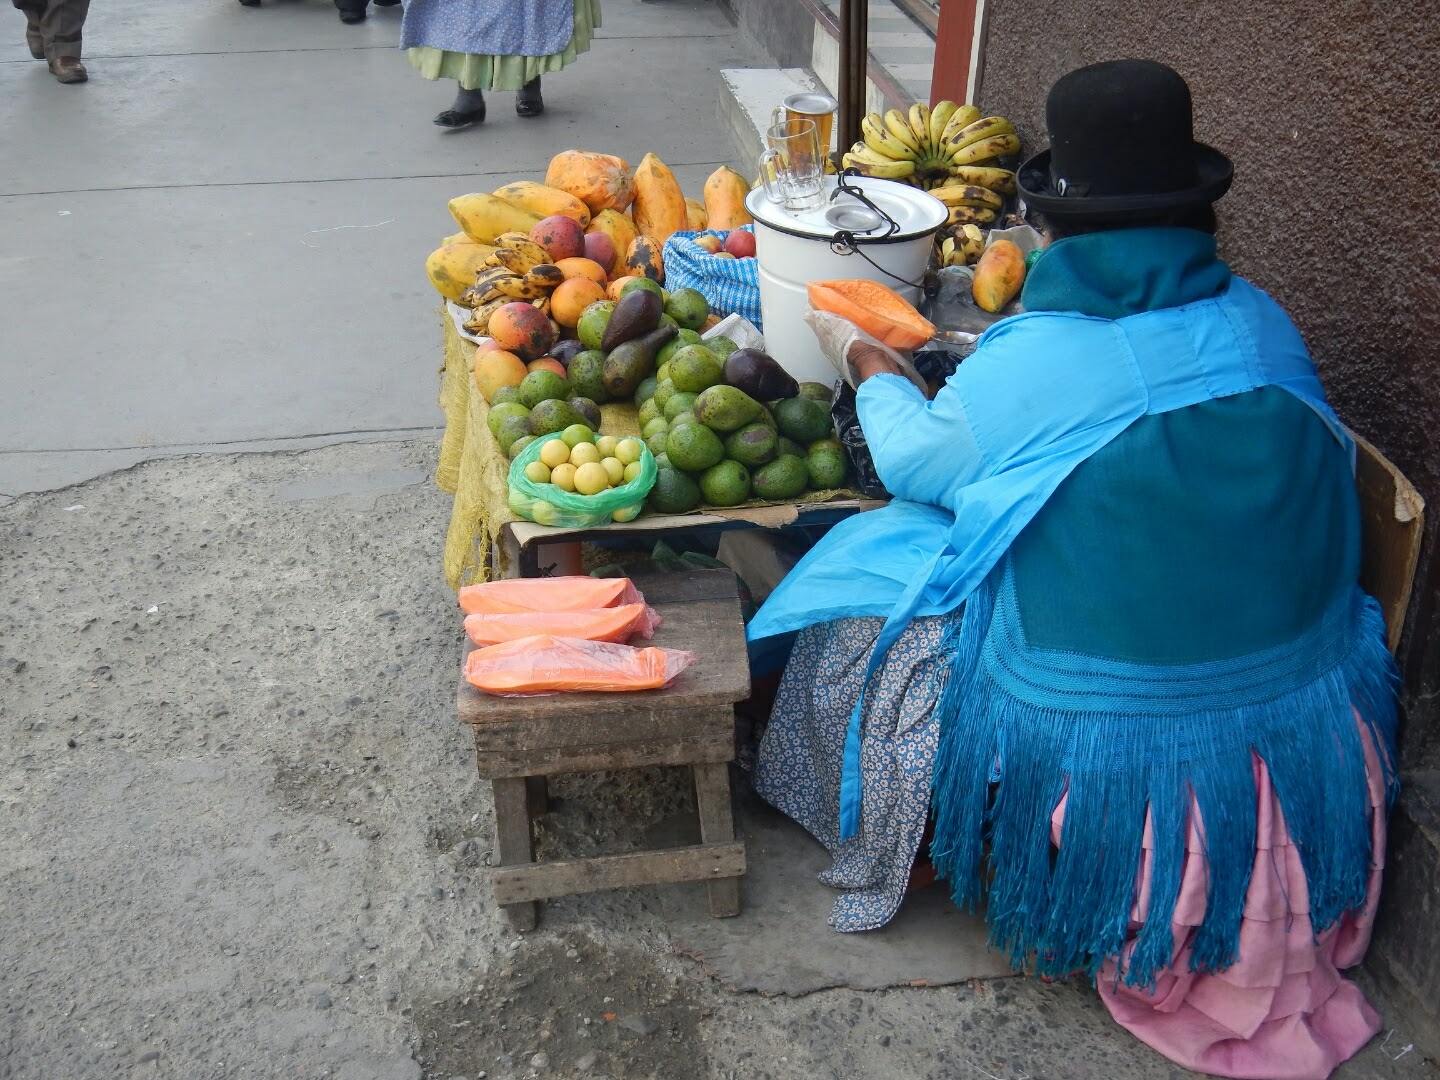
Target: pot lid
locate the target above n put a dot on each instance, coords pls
(915, 213)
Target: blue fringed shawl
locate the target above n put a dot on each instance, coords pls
(1124, 326)
(1021, 727)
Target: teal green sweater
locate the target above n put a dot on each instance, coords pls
(1154, 549)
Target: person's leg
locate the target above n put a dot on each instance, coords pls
(466, 110)
(33, 38)
(351, 11)
(61, 22)
(527, 99)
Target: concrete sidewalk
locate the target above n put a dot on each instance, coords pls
(218, 242)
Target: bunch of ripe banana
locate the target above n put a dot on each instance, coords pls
(935, 148)
(518, 269)
(962, 246)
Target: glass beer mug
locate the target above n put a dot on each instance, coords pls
(792, 168)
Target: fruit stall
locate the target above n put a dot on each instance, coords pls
(622, 358)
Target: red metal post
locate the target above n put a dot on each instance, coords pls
(954, 50)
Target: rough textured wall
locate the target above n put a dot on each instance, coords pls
(1330, 114)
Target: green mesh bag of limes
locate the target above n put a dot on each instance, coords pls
(547, 503)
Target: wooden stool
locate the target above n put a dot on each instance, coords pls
(521, 741)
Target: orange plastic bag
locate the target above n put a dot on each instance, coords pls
(616, 624)
(514, 595)
(546, 664)
(875, 308)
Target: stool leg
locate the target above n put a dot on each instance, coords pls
(538, 790)
(514, 841)
(717, 824)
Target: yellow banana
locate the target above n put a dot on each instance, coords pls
(980, 129)
(962, 117)
(485, 281)
(975, 215)
(985, 149)
(968, 195)
(507, 239)
(547, 275)
(879, 166)
(940, 116)
(542, 305)
(880, 140)
(522, 256)
(523, 288)
(1001, 180)
(479, 321)
(919, 120)
(896, 124)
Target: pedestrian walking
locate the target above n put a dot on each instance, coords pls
(52, 30)
(351, 11)
(495, 45)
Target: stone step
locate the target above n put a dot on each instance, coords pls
(803, 32)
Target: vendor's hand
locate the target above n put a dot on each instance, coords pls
(846, 346)
(867, 360)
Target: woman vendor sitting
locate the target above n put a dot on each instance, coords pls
(1108, 635)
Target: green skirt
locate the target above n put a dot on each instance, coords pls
(506, 72)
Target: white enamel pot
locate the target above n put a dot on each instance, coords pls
(794, 248)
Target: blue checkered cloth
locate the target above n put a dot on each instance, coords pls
(731, 285)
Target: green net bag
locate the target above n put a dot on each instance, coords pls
(547, 504)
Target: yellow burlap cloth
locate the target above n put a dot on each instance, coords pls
(475, 470)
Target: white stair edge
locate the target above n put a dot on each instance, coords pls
(748, 97)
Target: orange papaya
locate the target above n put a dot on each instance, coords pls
(621, 231)
(545, 201)
(695, 215)
(659, 207)
(875, 308)
(998, 275)
(725, 192)
(600, 181)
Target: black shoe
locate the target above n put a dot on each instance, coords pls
(528, 101)
(351, 17)
(451, 120)
(250, 3)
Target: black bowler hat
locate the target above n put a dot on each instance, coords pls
(1121, 144)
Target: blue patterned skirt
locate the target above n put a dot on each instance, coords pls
(798, 769)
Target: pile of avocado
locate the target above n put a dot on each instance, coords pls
(727, 425)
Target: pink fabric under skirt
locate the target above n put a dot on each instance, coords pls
(1282, 1011)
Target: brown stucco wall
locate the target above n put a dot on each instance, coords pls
(1330, 113)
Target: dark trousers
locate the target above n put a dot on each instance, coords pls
(59, 21)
